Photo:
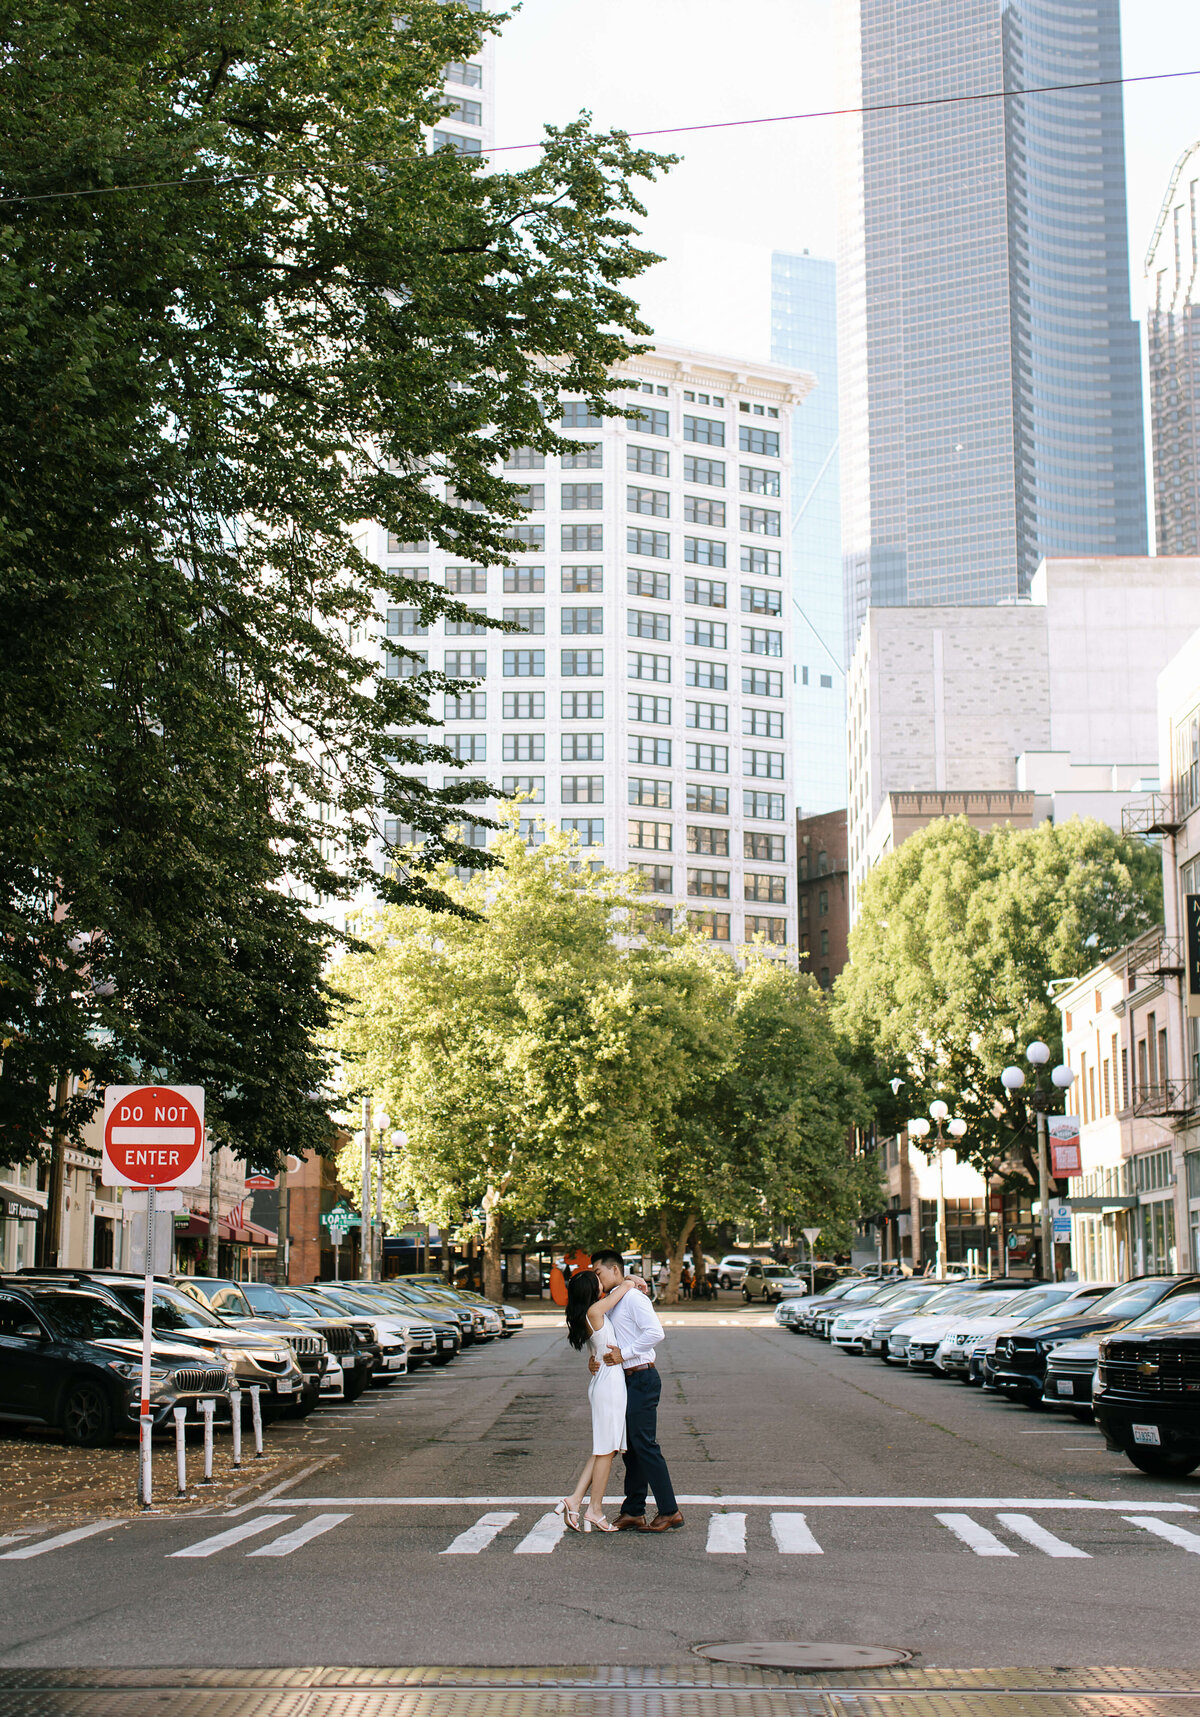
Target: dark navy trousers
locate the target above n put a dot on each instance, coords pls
(645, 1467)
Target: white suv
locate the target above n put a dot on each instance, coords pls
(733, 1267)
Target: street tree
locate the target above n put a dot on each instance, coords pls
(245, 308)
(959, 936)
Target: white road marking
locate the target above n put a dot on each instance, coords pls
(234, 1535)
(1027, 1528)
(289, 1541)
(792, 1534)
(1164, 1529)
(544, 1536)
(974, 1536)
(60, 1540)
(726, 1535)
(479, 1536)
(1071, 1504)
(15, 1537)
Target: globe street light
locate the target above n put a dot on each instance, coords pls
(919, 1128)
(1040, 1101)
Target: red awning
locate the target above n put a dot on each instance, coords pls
(250, 1235)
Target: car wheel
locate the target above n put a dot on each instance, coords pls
(354, 1386)
(725, 1283)
(746, 1295)
(86, 1416)
(1158, 1465)
(443, 1359)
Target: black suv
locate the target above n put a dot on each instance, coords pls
(351, 1343)
(71, 1357)
(1147, 1399)
(1019, 1366)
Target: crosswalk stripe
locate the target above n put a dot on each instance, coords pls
(726, 1535)
(1189, 1541)
(233, 1535)
(479, 1536)
(793, 1537)
(1027, 1528)
(60, 1540)
(289, 1541)
(974, 1536)
(540, 1541)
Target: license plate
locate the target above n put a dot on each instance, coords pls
(393, 1362)
(347, 1361)
(1065, 1386)
(446, 1343)
(1147, 1434)
(285, 1386)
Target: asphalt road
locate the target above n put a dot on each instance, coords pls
(826, 1498)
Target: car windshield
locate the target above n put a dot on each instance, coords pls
(342, 1298)
(86, 1317)
(172, 1310)
(1050, 1307)
(1179, 1309)
(298, 1305)
(264, 1298)
(1129, 1300)
(862, 1291)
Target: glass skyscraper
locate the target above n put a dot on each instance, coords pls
(1173, 327)
(991, 378)
(804, 334)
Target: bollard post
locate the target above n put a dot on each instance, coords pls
(235, 1416)
(256, 1416)
(208, 1407)
(180, 1416)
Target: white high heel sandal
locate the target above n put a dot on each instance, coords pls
(569, 1514)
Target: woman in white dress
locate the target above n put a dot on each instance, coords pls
(588, 1330)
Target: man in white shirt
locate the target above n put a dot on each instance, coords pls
(638, 1333)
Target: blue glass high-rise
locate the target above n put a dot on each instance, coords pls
(804, 333)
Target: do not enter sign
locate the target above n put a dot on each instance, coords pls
(153, 1135)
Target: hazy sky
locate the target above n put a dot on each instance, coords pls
(737, 195)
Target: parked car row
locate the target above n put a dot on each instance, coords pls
(71, 1342)
(1127, 1355)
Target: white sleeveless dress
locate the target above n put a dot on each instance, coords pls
(606, 1392)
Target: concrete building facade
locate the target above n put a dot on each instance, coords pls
(1173, 334)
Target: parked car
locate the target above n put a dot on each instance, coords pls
(953, 1356)
(820, 1278)
(859, 1293)
(509, 1317)
(388, 1354)
(71, 1358)
(1071, 1376)
(859, 1316)
(923, 1331)
(417, 1332)
(1018, 1368)
(771, 1282)
(1147, 1400)
(255, 1358)
(787, 1313)
(309, 1347)
(733, 1267)
(353, 1343)
(454, 1324)
(813, 1304)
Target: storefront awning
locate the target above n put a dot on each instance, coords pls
(1115, 1201)
(196, 1228)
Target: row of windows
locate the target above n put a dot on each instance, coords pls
(589, 706)
(699, 755)
(710, 717)
(640, 581)
(576, 664)
(647, 462)
(652, 420)
(640, 623)
(712, 884)
(699, 838)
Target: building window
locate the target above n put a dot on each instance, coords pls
(645, 708)
(772, 848)
(763, 763)
(471, 706)
(464, 72)
(524, 706)
(531, 620)
(640, 665)
(582, 497)
(761, 441)
(525, 459)
(523, 664)
(711, 716)
(641, 581)
(582, 621)
(772, 930)
(648, 545)
(588, 456)
(460, 146)
(464, 112)
(705, 592)
(762, 641)
(760, 521)
(705, 634)
(656, 877)
(466, 664)
(467, 748)
(714, 842)
(700, 510)
(532, 496)
(533, 787)
(707, 431)
(646, 623)
(647, 420)
(582, 747)
(524, 747)
(575, 578)
(466, 628)
(712, 676)
(713, 801)
(699, 470)
(758, 601)
(578, 414)
(395, 546)
(772, 889)
(702, 551)
(580, 664)
(655, 836)
(822, 902)
(763, 723)
(648, 461)
(644, 790)
(754, 480)
(643, 749)
(582, 706)
(714, 926)
(765, 562)
(466, 580)
(582, 790)
(709, 884)
(524, 580)
(707, 759)
(762, 807)
(589, 829)
(582, 539)
(406, 623)
(762, 682)
(655, 502)
(405, 667)
(530, 832)
(528, 539)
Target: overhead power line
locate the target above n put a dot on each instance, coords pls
(657, 131)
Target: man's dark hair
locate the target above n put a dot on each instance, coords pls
(614, 1260)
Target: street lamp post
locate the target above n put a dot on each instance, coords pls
(1040, 1100)
(956, 1128)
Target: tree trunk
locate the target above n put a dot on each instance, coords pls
(675, 1247)
(493, 1282)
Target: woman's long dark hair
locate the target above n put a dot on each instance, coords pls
(583, 1290)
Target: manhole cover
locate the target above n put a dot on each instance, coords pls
(800, 1654)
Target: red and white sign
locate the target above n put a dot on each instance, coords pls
(153, 1135)
(260, 1183)
(1066, 1156)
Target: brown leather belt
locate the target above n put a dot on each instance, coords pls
(631, 1369)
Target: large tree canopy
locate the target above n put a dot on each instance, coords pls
(244, 309)
(958, 938)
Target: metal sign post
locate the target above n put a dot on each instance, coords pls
(810, 1234)
(145, 1423)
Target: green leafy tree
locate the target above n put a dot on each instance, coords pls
(244, 309)
(959, 936)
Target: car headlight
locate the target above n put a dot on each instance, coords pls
(131, 1368)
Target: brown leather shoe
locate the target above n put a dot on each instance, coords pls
(665, 1522)
(631, 1523)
